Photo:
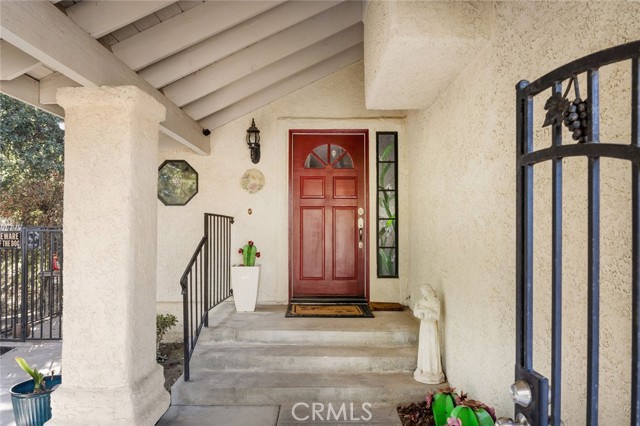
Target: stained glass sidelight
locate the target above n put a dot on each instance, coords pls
(387, 204)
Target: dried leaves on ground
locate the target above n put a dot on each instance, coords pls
(416, 415)
(173, 364)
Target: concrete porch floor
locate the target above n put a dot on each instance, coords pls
(261, 368)
(251, 369)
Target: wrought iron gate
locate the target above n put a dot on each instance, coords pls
(31, 262)
(538, 402)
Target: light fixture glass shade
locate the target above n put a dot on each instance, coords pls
(253, 134)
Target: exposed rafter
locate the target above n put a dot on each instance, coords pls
(102, 17)
(53, 39)
(14, 62)
(232, 40)
(272, 74)
(264, 53)
(26, 89)
(278, 90)
(185, 30)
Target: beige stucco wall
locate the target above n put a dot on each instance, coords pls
(446, 33)
(462, 169)
(336, 102)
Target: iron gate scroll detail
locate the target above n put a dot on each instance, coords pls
(31, 260)
(538, 400)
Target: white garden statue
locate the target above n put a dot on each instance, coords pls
(428, 311)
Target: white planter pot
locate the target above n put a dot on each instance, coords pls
(244, 282)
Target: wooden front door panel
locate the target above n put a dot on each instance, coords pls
(328, 191)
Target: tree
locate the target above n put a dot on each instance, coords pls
(31, 164)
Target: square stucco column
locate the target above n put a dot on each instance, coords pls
(109, 364)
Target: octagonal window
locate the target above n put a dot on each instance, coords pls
(177, 182)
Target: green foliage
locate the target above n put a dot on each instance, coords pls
(38, 377)
(472, 416)
(249, 253)
(442, 405)
(164, 322)
(31, 164)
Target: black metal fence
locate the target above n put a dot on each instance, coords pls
(31, 260)
(206, 282)
(531, 391)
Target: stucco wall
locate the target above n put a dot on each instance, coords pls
(462, 152)
(336, 102)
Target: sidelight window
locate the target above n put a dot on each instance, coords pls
(387, 204)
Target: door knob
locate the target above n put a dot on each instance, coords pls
(521, 420)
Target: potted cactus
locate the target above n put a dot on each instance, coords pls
(244, 279)
(31, 400)
(451, 409)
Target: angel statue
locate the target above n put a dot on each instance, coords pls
(428, 311)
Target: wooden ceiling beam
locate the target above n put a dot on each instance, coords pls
(185, 30)
(14, 62)
(264, 53)
(232, 40)
(26, 89)
(283, 88)
(99, 18)
(274, 73)
(53, 39)
(50, 85)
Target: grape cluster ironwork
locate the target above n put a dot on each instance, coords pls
(574, 114)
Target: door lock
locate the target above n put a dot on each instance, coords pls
(521, 393)
(360, 232)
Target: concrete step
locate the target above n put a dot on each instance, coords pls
(304, 358)
(268, 388)
(269, 326)
(262, 358)
(303, 337)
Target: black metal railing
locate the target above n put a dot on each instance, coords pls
(206, 282)
(591, 147)
(31, 260)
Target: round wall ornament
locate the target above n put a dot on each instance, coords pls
(252, 181)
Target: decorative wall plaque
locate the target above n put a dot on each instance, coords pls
(252, 181)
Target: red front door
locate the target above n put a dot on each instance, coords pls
(328, 196)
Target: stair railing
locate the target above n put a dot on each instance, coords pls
(206, 281)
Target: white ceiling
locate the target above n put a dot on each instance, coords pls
(216, 60)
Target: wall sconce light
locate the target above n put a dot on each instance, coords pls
(253, 141)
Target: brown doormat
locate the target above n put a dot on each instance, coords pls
(297, 310)
(386, 306)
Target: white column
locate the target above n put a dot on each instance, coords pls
(109, 370)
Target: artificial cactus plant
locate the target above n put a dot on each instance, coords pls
(449, 408)
(470, 415)
(249, 253)
(442, 403)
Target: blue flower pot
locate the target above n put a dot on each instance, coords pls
(33, 409)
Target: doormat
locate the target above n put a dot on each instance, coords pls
(297, 310)
(386, 306)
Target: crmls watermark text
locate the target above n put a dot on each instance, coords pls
(318, 411)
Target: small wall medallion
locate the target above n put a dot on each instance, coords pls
(252, 181)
